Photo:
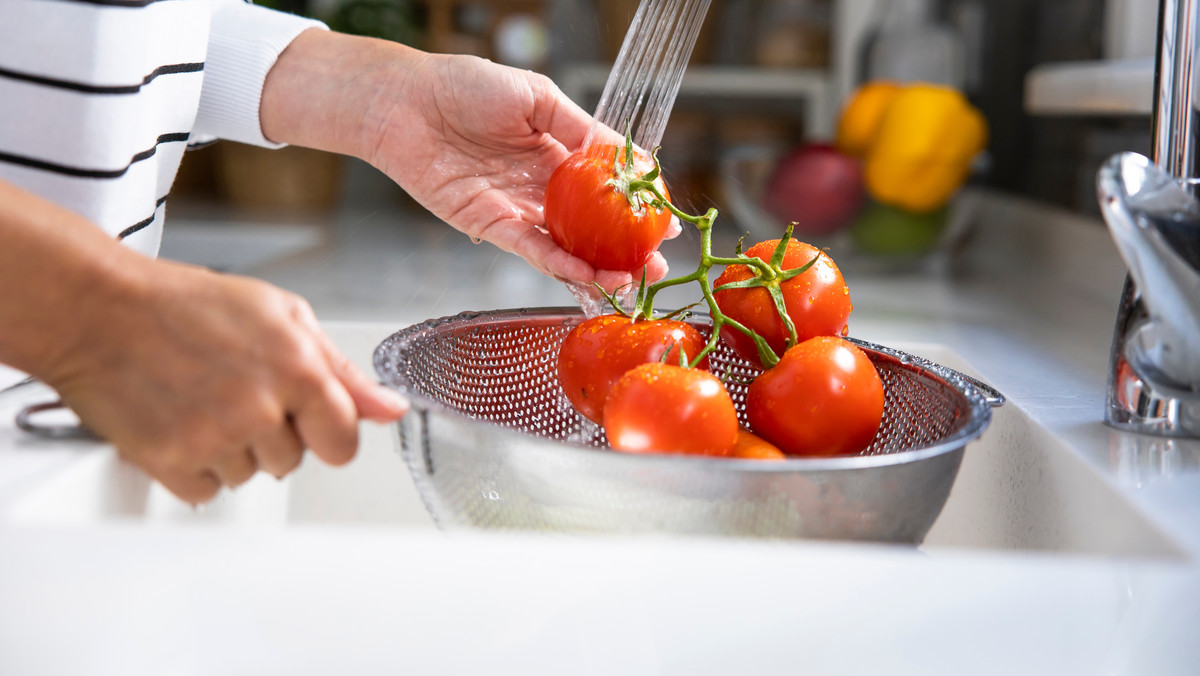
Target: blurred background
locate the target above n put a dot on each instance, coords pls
(1061, 84)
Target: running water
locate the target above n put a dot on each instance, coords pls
(645, 78)
(641, 90)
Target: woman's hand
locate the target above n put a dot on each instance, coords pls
(472, 141)
(204, 379)
(201, 379)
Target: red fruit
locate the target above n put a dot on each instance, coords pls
(817, 301)
(816, 186)
(823, 398)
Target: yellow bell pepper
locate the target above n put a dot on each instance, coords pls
(859, 122)
(917, 143)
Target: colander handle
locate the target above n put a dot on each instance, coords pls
(990, 394)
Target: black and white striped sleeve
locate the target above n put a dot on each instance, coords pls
(244, 42)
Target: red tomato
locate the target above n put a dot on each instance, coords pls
(824, 397)
(589, 214)
(595, 354)
(818, 300)
(751, 446)
(661, 408)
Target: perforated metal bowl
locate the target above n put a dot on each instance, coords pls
(492, 442)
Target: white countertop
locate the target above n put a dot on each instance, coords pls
(354, 580)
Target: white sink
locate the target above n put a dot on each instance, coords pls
(1019, 488)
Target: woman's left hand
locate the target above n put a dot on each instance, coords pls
(472, 141)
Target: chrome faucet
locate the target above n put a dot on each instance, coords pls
(1151, 211)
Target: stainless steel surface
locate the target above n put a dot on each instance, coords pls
(30, 418)
(27, 420)
(492, 442)
(1156, 225)
(1139, 400)
(1173, 118)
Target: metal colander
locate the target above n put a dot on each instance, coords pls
(492, 442)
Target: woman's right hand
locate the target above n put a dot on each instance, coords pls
(203, 379)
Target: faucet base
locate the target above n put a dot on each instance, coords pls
(1136, 404)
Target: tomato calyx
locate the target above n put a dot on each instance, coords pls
(767, 274)
(772, 278)
(626, 179)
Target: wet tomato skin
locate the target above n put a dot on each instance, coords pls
(661, 408)
(818, 301)
(597, 352)
(750, 446)
(823, 398)
(589, 215)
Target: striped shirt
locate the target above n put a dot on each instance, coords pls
(100, 98)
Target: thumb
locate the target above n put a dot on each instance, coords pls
(375, 402)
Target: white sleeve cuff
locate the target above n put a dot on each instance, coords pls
(244, 43)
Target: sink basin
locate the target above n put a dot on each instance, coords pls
(1019, 488)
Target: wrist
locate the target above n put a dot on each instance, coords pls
(61, 277)
(326, 88)
(99, 301)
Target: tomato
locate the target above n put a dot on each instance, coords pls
(588, 214)
(818, 300)
(824, 397)
(662, 408)
(595, 354)
(752, 446)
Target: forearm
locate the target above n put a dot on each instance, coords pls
(327, 89)
(57, 272)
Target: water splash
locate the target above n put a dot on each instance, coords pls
(593, 303)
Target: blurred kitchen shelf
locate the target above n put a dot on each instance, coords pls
(810, 88)
(231, 245)
(1111, 87)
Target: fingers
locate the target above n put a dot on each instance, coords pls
(674, 228)
(327, 423)
(538, 249)
(373, 401)
(279, 451)
(656, 267)
(235, 469)
(192, 487)
(612, 280)
(556, 114)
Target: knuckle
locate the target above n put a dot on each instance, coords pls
(203, 447)
(195, 490)
(289, 463)
(238, 480)
(307, 379)
(340, 444)
(259, 414)
(297, 308)
(342, 364)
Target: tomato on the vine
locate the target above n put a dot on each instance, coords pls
(590, 213)
(817, 300)
(750, 446)
(663, 408)
(824, 397)
(597, 352)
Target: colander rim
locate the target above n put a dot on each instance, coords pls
(979, 404)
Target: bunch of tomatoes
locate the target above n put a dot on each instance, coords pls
(781, 305)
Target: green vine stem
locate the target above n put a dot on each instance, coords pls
(768, 274)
